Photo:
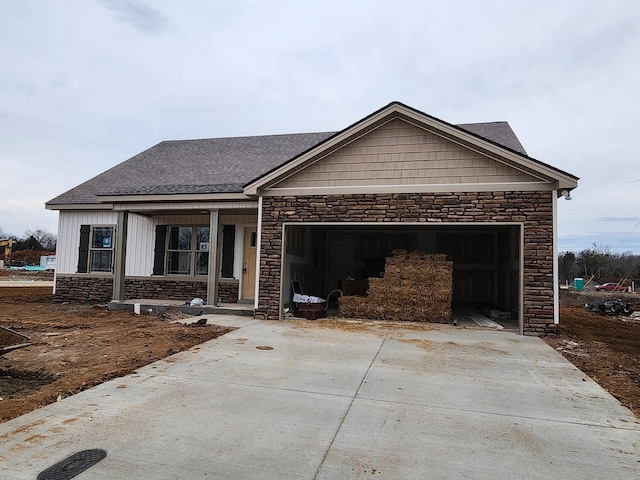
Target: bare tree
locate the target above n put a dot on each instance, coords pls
(46, 239)
(568, 267)
(600, 263)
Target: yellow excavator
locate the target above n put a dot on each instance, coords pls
(8, 246)
(10, 340)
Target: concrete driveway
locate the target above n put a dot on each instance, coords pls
(331, 400)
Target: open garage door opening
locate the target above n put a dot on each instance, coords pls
(487, 258)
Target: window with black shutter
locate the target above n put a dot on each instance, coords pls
(95, 254)
(83, 252)
(161, 243)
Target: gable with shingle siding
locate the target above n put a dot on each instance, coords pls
(399, 153)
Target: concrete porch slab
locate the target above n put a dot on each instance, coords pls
(160, 305)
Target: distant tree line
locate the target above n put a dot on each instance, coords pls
(599, 263)
(38, 240)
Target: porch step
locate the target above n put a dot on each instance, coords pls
(162, 305)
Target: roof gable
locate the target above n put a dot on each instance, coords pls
(401, 155)
(511, 155)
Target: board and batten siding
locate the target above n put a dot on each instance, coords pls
(399, 153)
(140, 237)
(69, 235)
(140, 234)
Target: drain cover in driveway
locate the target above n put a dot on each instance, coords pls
(73, 465)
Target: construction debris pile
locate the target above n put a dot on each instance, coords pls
(416, 287)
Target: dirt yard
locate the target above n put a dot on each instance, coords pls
(607, 348)
(79, 346)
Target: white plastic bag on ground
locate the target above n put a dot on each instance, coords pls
(196, 302)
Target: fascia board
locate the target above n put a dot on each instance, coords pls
(182, 206)
(411, 188)
(79, 206)
(181, 197)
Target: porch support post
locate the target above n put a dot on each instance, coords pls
(120, 254)
(256, 296)
(214, 265)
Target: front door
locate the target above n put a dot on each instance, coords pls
(249, 263)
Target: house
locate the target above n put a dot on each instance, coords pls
(237, 219)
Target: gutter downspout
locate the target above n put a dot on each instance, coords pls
(556, 286)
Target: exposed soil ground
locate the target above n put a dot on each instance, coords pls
(79, 346)
(607, 348)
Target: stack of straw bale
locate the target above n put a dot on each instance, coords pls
(416, 287)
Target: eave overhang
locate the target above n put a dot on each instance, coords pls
(79, 206)
(174, 197)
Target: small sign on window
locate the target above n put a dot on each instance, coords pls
(106, 242)
(204, 246)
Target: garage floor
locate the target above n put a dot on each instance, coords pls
(472, 317)
(327, 399)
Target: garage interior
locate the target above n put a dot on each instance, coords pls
(486, 262)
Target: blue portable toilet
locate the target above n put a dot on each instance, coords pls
(578, 284)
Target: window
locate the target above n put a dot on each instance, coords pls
(101, 250)
(185, 250)
(96, 249)
(202, 251)
(188, 250)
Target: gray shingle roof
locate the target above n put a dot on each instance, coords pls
(497, 132)
(214, 165)
(220, 165)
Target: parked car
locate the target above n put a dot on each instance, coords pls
(610, 287)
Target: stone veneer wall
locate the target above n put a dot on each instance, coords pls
(533, 209)
(83, 289)
(100, 289)
(228, 291)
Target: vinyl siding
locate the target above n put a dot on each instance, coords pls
(69, 236)
(140, 237)
(402, 154)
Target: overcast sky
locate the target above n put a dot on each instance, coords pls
(86, 84)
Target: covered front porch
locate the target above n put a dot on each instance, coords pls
(166, 255)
